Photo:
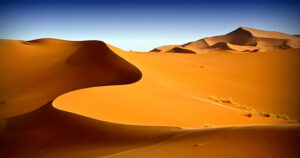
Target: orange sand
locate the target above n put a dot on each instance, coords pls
(148, 104)
(175, 90)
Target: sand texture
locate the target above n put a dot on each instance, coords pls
(201, 99)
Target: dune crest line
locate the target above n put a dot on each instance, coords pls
(36, 72)
(243, 39)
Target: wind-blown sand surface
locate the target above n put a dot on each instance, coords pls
(158, 104)
(175, 90)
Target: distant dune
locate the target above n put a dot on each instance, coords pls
(90, 99)
(182, 50)
(243, 39)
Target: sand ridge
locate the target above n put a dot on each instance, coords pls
(35, 72)
(243, 39)
(139, 97)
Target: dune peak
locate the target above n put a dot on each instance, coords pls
(242, 39)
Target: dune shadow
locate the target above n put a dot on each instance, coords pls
(51, 130)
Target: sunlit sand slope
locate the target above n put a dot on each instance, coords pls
(191, 90)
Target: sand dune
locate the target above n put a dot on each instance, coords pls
(48, 132)
(184, 84)
(153, 95)
(181, 50)
(228, 46)
(163, 48)
(243, 39)
(35, 72)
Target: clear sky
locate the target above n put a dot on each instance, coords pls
(142, 25)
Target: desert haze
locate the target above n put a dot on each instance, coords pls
(233, 95)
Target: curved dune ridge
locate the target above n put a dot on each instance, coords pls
(243, 39)
(152, 92)
(191, 90)
(35, 72)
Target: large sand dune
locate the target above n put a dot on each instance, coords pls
(243, 39)
(35, 72)
(151, 95)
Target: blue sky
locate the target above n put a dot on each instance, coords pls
(142, 25)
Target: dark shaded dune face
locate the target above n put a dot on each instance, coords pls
(95, 55)
(283, 46)
(270, 43)
(255, 50)
(181, 50)
(216, 39)
(36, 72)
(221, 45)
(47, 132)
(241, 37)
(293, 43)
(155, 50)
(267, 141)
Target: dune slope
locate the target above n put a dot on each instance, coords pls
(243, 39)
(49, 132)
(35, 72)
(183, 90)
(190, 86)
